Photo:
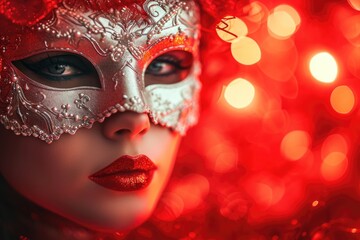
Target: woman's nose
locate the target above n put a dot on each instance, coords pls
(126, 123)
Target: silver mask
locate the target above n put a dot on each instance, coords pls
(120, 44)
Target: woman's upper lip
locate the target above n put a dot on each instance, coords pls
(125, 164)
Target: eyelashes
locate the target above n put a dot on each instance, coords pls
(67, 70)
(59, 70)
(169, 68)
(167, 65)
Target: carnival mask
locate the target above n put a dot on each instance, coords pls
(79, 66)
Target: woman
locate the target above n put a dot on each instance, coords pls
(129, 71)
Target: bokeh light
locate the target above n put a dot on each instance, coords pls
(263, 194)
(350, 30)
(315, 203)
(279, 54)
(234, 206)
(265, 189)
(257, 15)
(295, 145)
(323, 67)
(291, 11)
(192, 189)
(334, 143)
(257, 11)
(334, 166)
(342, 99)
(239, 93)
(355, 4)
(352, 61)
(231, 28)
(246, 51)
(170, 207)
(278, 136)
(222, 157)
(283, 21)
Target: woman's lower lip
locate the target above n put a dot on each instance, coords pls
(125, 181)
(127, 173)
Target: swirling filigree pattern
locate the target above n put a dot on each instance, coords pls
(122, 41)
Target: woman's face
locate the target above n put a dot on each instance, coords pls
(131, 78)
(57, 176)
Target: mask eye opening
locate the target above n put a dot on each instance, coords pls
(59, 69)
(169, 68)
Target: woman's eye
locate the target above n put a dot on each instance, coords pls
(162, 67)
(59, 69)
(171, 67)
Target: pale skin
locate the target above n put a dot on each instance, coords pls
(57, 179)
(53, 179)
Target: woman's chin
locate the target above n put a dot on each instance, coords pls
(114, 227)
(112, 223)
(121, 228)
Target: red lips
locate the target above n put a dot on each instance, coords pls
(128, 173)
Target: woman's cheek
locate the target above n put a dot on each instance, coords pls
(57, 179)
